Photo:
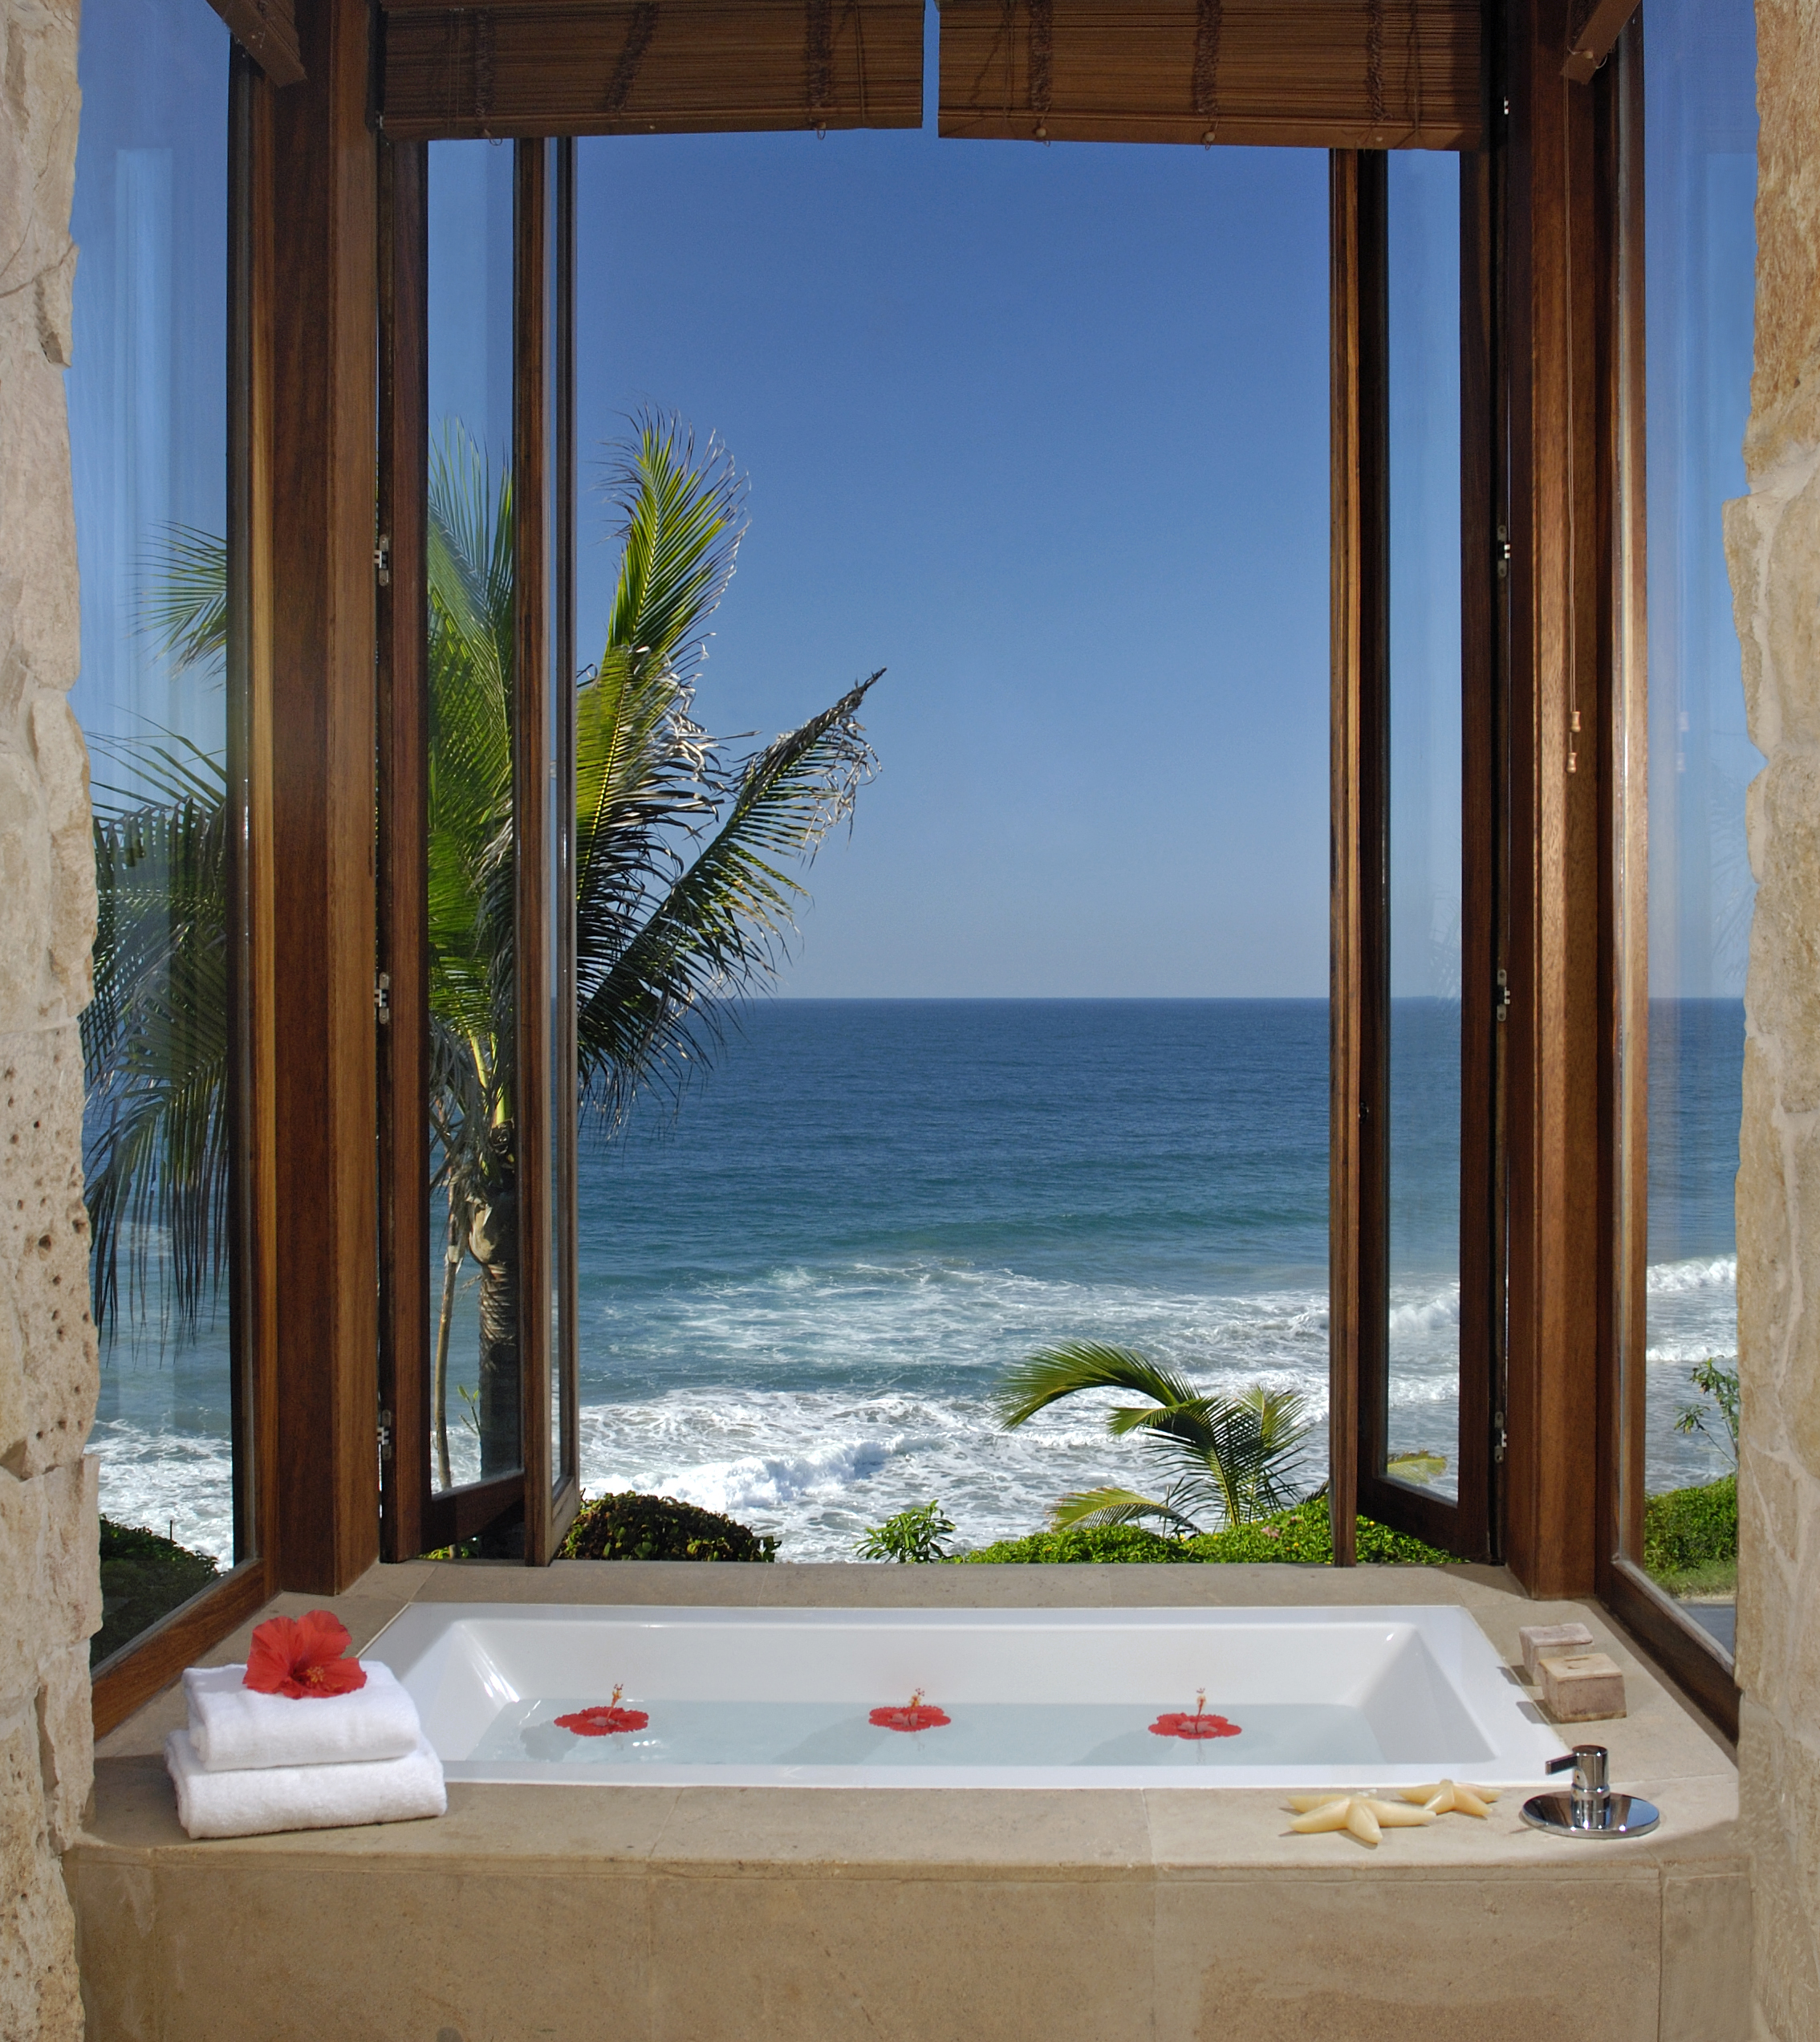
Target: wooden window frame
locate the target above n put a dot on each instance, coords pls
(129, 1677)
(1700, 1666)
(545, 1492)
(330, 236)
(1360, 993)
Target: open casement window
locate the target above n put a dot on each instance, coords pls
(477, 922)
(479, 1366)
(1415, 1267)
(172, 698)
(1685, 147)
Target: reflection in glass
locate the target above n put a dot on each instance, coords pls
(1700, 186)
(475, 1410)
(1423, 1344)
(146, 396)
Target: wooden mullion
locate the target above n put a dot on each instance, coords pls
(1482, 581)
(1356, 624)
(403, 853)
(317, 215)
(531, 369)
(1559, 1234)
(565, 1499)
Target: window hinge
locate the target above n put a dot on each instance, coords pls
(1501, 1003)
(1501, 552)
(1500, 1438)
(382, 997)
(382, 560)
(385, 1435)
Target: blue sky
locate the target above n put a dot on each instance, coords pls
(1044, 432)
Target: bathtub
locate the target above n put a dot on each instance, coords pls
(1031, 1698)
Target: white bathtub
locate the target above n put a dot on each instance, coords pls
(1034, 1698)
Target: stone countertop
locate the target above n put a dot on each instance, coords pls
(1661, 1749)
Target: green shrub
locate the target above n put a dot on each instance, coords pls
(1301, 1535)
(144, 1576)
(631, 1526)
(1692, 1531)
(913, 1537)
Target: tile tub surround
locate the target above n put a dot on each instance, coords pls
(702, 1913)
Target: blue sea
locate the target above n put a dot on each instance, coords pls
(798, 1284)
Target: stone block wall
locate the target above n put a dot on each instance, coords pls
(1773, 540)
(50, 1596)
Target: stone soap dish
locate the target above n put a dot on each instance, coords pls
(1553, 1640)
(1582, 1687)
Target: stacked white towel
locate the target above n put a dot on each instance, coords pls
(251, 1763)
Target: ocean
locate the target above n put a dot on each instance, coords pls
(797, 1286)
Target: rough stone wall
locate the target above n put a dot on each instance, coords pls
(50, 1595)
(1773, 538)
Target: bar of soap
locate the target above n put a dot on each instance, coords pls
(1582, 1687)
(1554, 1639)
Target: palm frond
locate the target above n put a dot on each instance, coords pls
(155, 1042)
(682, 519)
(1116, 1505)
(183, 607)
(1032, 1386)
(659, 1004)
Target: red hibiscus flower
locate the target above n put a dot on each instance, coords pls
(604, 1719)
(915, 1715)
(1178, 1725)
(601, 1721)
(303, 1657)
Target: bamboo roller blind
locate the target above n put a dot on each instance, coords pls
(655, 67)
(1308, 74)
(267, 30)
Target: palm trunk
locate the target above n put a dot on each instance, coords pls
(493, 1240)
(451, 1269)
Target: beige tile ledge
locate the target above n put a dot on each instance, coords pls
(718, 1915)
(1661, 1739)
(1661, 1748)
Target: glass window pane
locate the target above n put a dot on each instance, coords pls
(475, 1409)
(1423, 1342)
(1699, 186)
(147, 413)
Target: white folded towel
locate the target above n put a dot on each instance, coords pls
(253, 1802)
(233, 1729)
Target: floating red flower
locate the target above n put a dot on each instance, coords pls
(604, 1719)
(302, 1657)
(915, 1715)
(1179, 1723)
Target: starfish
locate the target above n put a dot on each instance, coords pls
(1453, 1797)
(1365, 1816)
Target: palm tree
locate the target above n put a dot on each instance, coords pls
(683, 904)
(155, 1035)
(1234, 1459)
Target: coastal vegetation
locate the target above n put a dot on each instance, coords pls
(628, 1526)
(1691, 1535)
(1302, 1533)
(912, 1536)
(145, 1576)
(1233, 1460)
